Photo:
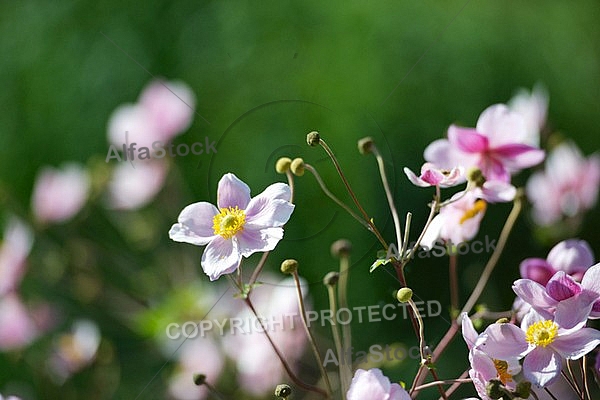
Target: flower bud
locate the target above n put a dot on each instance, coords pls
(199, 379)
(503, 321)
(313, 138)
(283, 391)
(523, 389)
(289, 266)
(283, 165)
(404, 295)
(331, 278)
(297, 166)
(494, 389)
(365, 145)
(475, 176)
(341, 247)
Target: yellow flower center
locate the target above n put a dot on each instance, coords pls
(502, 369)
(229, 222)
(478, 207)
(542, 333)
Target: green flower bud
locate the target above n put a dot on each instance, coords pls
(404, 295)
(283, 391)
(341, 247)
(297, 166)
(289, 266)
(475, 175)
(331, 278)
(313, 138)
(523, 389)
(494, 389)
(365, 145)
(199, 379)
(283, 165)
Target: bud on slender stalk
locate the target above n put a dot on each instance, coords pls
(297, 166)
(404, 295)
(283, 165)
(289, 266)
(313, 138)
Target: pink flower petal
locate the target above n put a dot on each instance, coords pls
(536, 269)
(517, 156)
(542, 366)
(535, 294)
(252, 241)
(195, 224)
(496, 192)
(398, 393)
(571, 256)
(232, 192)
(501, 125)
(577, 344)
(371, 384)
(270, 208)
(468, 330)
(132, 187)
(561, 286)
(573, 312)
(503, 341)
(220, 257)
(467, 139)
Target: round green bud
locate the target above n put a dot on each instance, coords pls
(341, 247)
(199, 379)
(475, 175)
(297, 166)
(365, 145)
(494, 389)
(404, 295)
(283, 165)
(523, 389)
(283, 391)
(289, 266)
(313, 138)
(503, 321)
(331, 278)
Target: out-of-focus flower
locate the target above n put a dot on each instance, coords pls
(9, 398)
(17, 327)
(495, 191)
(496, 146)
(457, 222)
(14, 250)
(544, 343)
(563, 294)
(483, 367)
(571, 256)
(373, 385)
(567, 187)
(434, 176)
(258, 367)
(59, 194)
(239, 227)
(75, 350)
(196, 355)
(132, 187)
(533, 106)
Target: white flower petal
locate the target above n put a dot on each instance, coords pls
(220, 257)
(251, 241)
(232, 192)
(195, 224)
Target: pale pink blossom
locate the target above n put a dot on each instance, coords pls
(571, 256)
(457, 222)
(373, 385)
(567, 187)
(496, 146)
(239, 227)
(9, 398)
(133, 186)
(434, 176)
(17, 327)
(533, 106)
(59, 193)
(14, 250)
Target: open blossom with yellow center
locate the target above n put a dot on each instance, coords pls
(541, 333)
(239, 227)
(478, 207)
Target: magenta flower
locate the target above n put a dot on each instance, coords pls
(239, 227)
(571, 256)
(373, 385)
(544, 343)
(434, 176)
(483, 367)
(59, 194)
(496, 146)
(567, 187)
(563, 295)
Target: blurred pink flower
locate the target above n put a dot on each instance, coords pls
(17, 328)
(373, 385)
(199, 355)
(14, 250)
(59, 194)
(496, 146)
(567, 187)
(258, 367)
(457, 222)
(240, 227)
(9, 398)
(533, 106)
(572, 256)
(434, 176)
(131, 187)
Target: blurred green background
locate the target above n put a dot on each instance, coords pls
(266, 73)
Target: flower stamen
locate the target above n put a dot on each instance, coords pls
(228, 222)
(502, 369)
(542, 333)
(478, 207)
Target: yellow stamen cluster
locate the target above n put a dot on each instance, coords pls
(502, 368)
(478, 207)
(542, 333)
(228, 222)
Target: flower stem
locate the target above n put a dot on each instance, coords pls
(286, 366)
(336, 339)
(452, 267)
(458, 381)
(342, 288)
(309, 334)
